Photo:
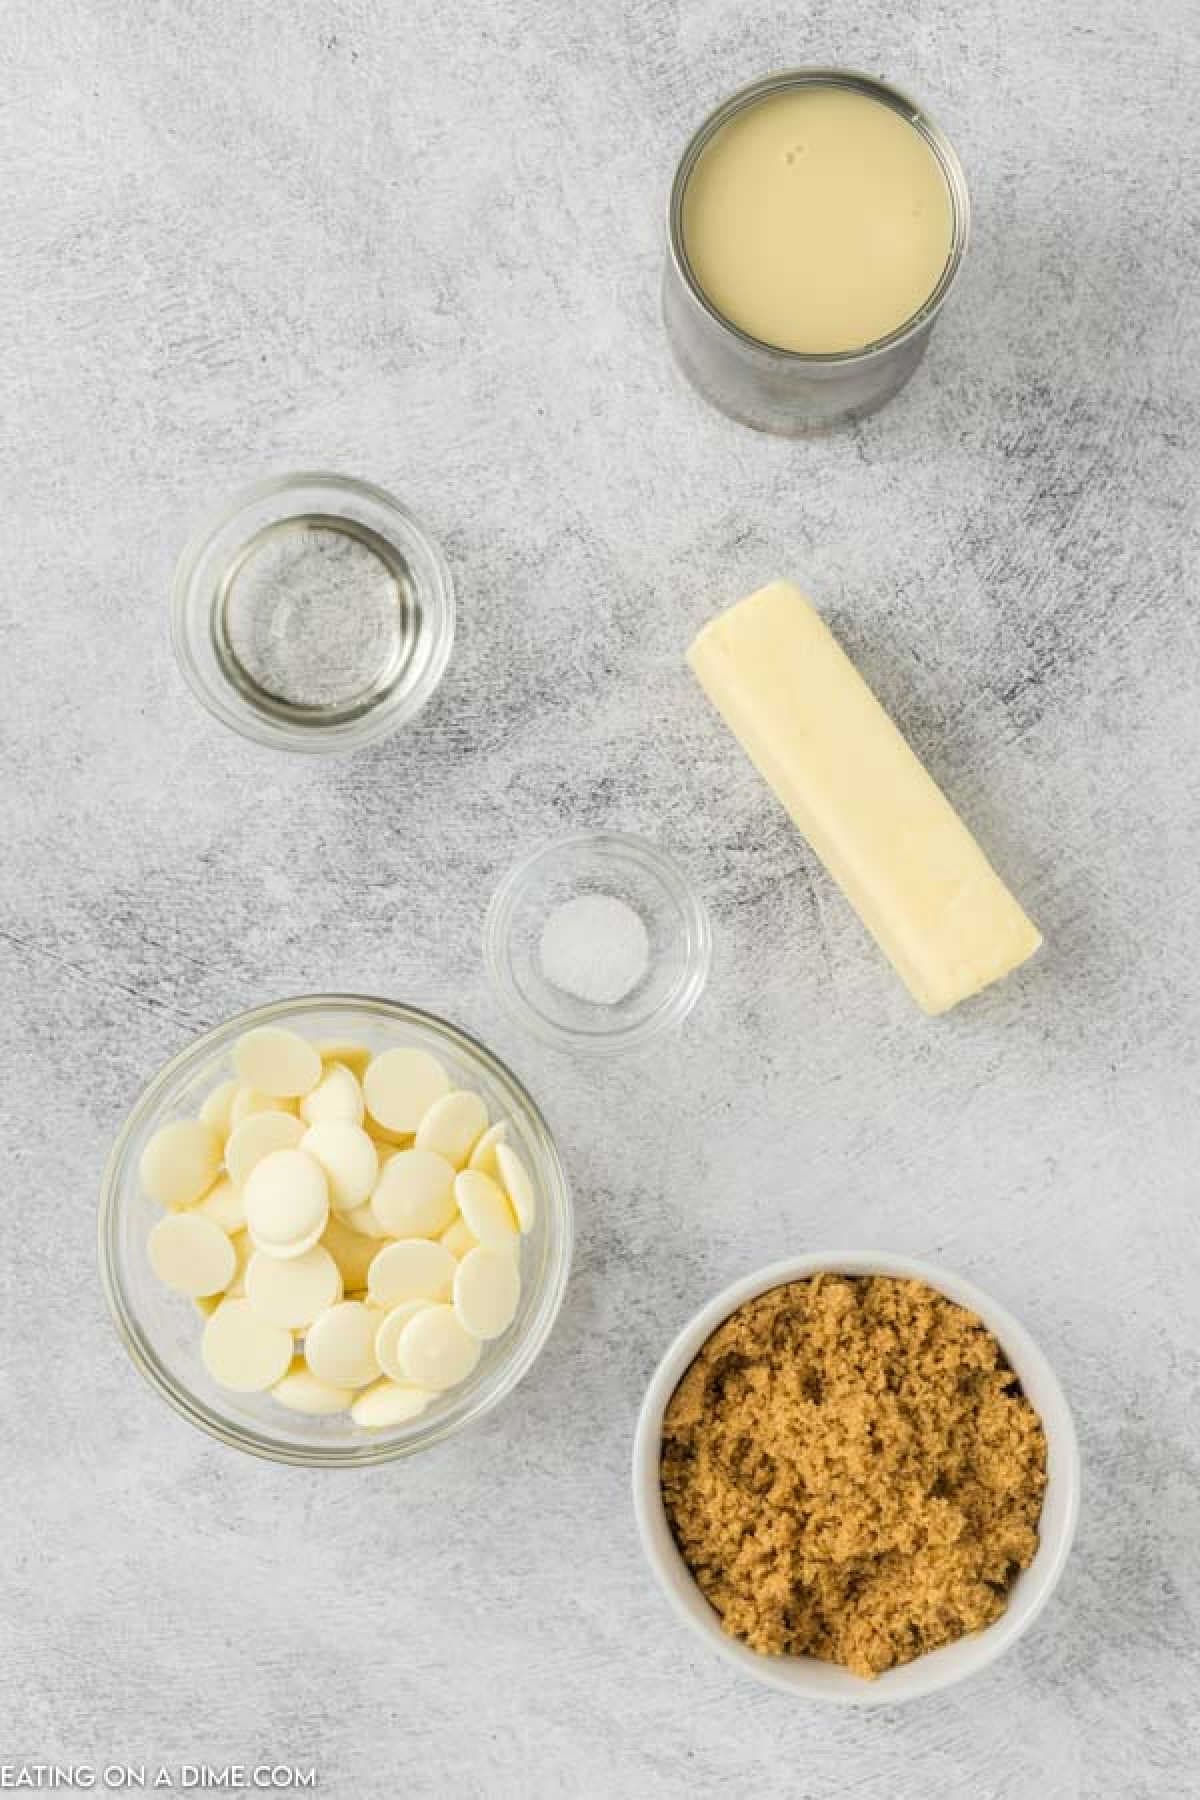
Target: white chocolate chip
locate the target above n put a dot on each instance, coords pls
(389, 1403)
(485, 1210)
(384, 1139)
(339, 1347)
(487, 1288)
(301, 1392)
(257, 1136)
(336, 1096)
(393, 1293)
(387, 1335)
(242, 1351)
(191, 1254)
(378, 1315)
(277, 1062)
(413, 1269)
(215, 1111)
(362, 1220)
(352, 1056)
(435, 1351)
(243, 1250)
(287, 1203)
(414, 1196)
(400, 1087)
(350, 1251)
(294, 1292)
(223, 1205)
(518, 1185)
(483, 1156)
(348, 1157)
(248, 1101)
(457, 1239)
(453, 1126)
(181, 1162)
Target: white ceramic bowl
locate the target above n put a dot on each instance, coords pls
(803, 1676)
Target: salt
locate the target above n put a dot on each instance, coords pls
(595, 947)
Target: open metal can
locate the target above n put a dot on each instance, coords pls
(796, 392)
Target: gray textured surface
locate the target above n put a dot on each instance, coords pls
(422, 244)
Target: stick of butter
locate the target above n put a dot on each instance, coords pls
(873, 814)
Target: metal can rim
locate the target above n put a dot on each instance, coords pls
(921, 121)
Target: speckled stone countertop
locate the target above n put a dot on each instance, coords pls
(421, 243)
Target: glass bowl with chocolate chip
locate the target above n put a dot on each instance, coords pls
(856, 1476)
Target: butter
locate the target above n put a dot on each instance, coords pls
(871, 811)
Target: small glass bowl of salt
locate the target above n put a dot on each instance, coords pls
(597, 942)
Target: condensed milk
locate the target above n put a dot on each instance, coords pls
(817, 221)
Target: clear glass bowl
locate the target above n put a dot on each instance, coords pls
(679, 940)
(313, 613)
(161, 1330)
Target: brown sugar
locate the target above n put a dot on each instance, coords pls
(852, 1472)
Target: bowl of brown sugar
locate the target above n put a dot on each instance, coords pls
(857, 1477)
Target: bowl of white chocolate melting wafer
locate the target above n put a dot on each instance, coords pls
(334, 1230)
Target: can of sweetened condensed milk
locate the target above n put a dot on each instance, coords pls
(818, 219)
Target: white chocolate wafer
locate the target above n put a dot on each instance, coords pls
(518, 1185)
(277, 1062)
(336, 1096)
(387, 1335)
(485, 1209)
(339, 1347)
(293, 1292)
(413, 1269)
(191, 1254)
(349, 1159)
(180, 1162)
(389, 1403)
(487, 1289)
(401, 1085)
(257, 1136)
(435, 1350)
(483, 1156)
(414, 1196)
(242, 1351)
(302, 1392)
(287, 1203)
(453, 1126)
